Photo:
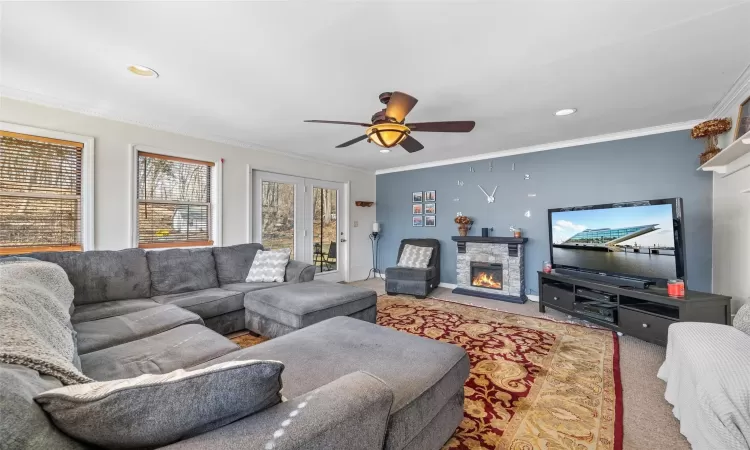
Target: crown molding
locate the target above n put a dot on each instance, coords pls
(52, 102)
(679, 126)
(737, 93)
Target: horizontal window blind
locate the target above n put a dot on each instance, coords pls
(40, 193)
(174, 201)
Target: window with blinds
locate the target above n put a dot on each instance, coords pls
(40, 194)
(174, 201)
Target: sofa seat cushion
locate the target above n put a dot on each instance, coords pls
(103, 310)
(103, 333)
(206, 302)
(424, 374)
(249, 287)
(181, 270)
(410, 274)
(302, 304)
(178, 348)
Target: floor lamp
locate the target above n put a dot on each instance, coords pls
(374, 237)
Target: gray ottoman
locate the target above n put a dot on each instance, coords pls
(281, 310)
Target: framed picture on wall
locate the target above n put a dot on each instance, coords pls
(416, 221)
(429, 196)
(417, 208)
(429, 208)
(416, 197)
(429, 221)
(743, 119)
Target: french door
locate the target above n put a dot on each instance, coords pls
(304, 215)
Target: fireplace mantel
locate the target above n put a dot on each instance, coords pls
(490, 240)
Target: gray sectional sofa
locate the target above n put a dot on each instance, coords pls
(350, 384)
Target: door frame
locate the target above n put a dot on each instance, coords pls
(252, 231)
(342, 202)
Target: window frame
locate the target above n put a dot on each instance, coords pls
(87, 182)
(215, 225)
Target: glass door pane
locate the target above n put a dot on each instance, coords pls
(325, 229)
(277, 215)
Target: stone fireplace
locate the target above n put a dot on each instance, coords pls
(491, 267)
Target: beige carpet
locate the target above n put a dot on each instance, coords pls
(647, 418)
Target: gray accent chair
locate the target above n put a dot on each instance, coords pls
(351, 384)
(417, 282)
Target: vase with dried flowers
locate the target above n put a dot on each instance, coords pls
(710, 129)
(464, 225)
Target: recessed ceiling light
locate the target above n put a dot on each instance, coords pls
(143, 71)
(566, 112)
(385, 150)
(746, 141)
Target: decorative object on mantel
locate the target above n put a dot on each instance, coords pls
(464, 225)
(743, 119)
(710, 129)
(365, 204)
(516, 232)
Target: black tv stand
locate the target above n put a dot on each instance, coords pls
(642, 313)
(607, 279)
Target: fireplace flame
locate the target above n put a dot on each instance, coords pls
(486, 280)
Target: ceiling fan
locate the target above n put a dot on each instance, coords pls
(388, 129)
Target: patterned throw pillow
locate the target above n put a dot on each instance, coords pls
(154, 410)
(415, 257)
(269, 266)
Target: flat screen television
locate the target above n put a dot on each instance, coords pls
(642, 240)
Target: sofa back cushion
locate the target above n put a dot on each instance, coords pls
(102, 276)
(233, 263)
(181, 270)
(23, 423)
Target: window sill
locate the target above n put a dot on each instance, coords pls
(165, 245)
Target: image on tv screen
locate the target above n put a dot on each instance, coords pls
(635, 240)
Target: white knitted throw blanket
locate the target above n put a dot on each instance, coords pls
(35, 328)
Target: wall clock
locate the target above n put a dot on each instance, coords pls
(490, 197)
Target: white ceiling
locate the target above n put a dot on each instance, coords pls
(251, 72)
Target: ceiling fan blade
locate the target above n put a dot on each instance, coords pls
(338, 122)
(443, 127)
(399, 105)
(411, 145)
(353, 141)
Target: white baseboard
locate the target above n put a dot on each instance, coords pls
(533, 298)
(448, 285)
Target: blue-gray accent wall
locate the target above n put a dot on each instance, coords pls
(643, 168)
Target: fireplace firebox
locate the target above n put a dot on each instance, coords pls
(487, 275)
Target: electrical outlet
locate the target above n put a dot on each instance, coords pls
(356, 224)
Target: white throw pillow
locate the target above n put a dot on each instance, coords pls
(155, 410)
(269, 266)
(415, 257)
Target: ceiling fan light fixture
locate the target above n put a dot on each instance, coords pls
(385, 150)
(566, 112)
(142, 71)
(387, 135)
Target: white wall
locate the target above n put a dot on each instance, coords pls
(112, 183)
(731, 215)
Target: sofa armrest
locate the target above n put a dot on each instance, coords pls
(299, 272)
(350, 412)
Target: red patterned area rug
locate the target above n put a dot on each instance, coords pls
(533, 384)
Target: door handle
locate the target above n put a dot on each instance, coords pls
(343, 240)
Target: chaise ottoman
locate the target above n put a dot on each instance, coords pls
(281, 310)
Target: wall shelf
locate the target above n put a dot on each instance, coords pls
(731, 159)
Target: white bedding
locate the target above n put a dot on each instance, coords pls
(707, 371)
